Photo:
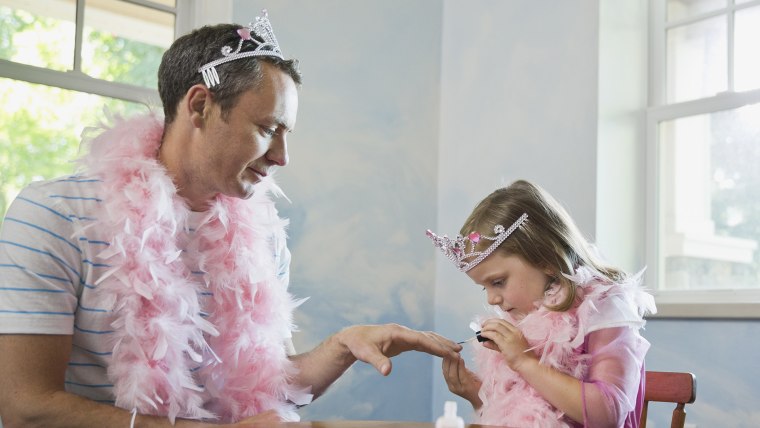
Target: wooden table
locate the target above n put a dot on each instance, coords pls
(358, 424)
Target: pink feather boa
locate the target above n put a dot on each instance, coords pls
(557, 339)
(160, 335)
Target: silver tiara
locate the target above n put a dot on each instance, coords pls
(457, 249)
(268, 46)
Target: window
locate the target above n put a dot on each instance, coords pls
(62, 62)
(703, 151)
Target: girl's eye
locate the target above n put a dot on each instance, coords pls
(498, 283)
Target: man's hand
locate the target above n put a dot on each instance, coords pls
(372, 344)
(376, 344)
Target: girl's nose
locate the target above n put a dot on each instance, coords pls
(494, 298)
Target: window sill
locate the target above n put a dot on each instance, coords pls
(710, 247)
(732, 304)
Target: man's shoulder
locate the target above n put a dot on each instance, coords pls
(67, 198)
(73, 186)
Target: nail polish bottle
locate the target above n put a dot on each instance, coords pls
(449, 418)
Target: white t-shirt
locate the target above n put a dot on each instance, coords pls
(49, 268)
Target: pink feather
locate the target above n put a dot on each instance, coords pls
(556, 338)
(158, 325)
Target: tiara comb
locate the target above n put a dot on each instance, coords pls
(266, 46)
(462, 248)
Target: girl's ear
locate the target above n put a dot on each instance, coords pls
(551, 278)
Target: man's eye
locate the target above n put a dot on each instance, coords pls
(269, 132)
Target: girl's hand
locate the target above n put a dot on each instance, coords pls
(507, 339)
(461, 381)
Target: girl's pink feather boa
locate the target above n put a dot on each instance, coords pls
(557, 339)
(160, 337)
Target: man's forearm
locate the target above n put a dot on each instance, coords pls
(321, 366)
(63, 410)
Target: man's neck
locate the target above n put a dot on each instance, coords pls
(173, 156)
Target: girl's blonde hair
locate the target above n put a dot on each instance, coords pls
(549, 240)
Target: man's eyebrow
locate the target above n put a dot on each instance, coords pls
(281, 124)
(284, 126)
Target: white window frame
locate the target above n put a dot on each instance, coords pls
(189, 14)
(687, 303)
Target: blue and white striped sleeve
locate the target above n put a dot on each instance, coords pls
(40, 265)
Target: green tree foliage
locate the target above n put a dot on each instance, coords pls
(41, 125)
(122, 60)
(735, 151)
(12, 22)
(28, 151)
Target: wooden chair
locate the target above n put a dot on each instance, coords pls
(669, 387)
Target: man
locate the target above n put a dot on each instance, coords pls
(151, 288)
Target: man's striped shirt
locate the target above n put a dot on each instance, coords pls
(48, 270)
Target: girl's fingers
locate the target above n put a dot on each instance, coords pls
(498, 325)
(450, 370)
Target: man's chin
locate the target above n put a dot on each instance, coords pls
(249, 190)
(247, 195)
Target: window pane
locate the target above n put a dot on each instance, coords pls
(45, 131)
(709, 208)
(124, 42)
(747, 49)
(682, 9)
(697, 60)
(39, 33)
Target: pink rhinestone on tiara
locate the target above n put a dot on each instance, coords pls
(456, 249)
(262, 28)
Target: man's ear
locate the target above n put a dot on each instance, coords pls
(197, 102)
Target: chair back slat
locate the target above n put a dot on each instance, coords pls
(669, 387)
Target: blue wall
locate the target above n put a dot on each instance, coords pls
(412, 111)
(724, 356)
(362, 181)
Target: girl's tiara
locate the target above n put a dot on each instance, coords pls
(458, 251)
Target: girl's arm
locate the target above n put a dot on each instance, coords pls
(561, 390)
(614, 379)
(609, 393)
(610, 389)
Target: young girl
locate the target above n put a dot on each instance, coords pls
(562, 348)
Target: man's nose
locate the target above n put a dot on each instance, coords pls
(278, 151)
